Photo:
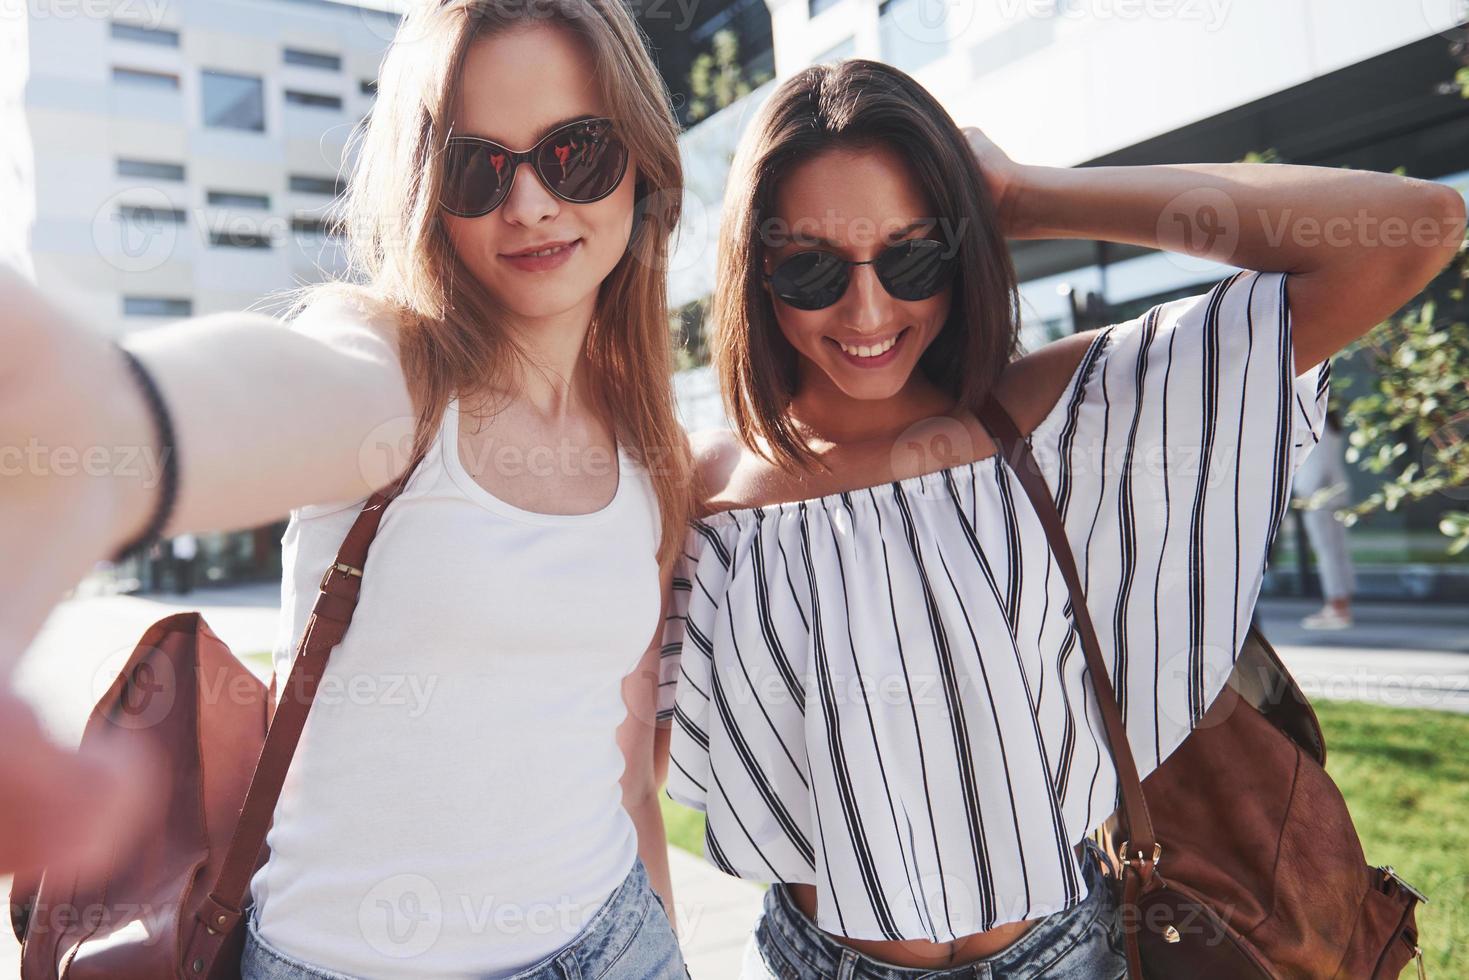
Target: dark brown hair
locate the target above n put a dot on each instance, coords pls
(854, 104)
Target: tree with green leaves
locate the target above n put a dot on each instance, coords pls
(717, 79)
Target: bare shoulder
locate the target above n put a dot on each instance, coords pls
(1031, 385)
(351, 317)
(730, 475)
(716, 455)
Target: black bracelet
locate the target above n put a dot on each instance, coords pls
(168, 454)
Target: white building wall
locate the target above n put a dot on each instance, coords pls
(1058, 82)
(82, 121)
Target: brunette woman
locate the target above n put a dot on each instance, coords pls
(883, 706)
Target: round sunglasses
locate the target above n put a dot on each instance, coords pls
(580, 162)
(913, 269)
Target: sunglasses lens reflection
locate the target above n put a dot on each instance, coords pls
(475, 176)
(810, 280)
(915, 269)
(584, 162)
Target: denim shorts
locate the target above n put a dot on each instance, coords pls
(628, 938)
(1083, 942)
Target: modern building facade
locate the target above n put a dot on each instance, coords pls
(168, 158)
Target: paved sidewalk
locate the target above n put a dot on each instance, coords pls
(1398, 654)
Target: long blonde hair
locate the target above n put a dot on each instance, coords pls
(399, 253)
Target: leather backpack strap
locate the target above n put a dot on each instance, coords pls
(1141, 844)
(328, 623)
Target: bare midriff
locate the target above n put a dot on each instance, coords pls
(919, 952)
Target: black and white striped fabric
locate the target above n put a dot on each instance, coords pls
(881, 692)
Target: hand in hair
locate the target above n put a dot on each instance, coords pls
(1001, 174)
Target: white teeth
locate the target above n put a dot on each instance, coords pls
(544, 251)
(865, 351)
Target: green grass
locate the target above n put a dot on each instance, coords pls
(685, 826)
(1405, 775)
(261, 657)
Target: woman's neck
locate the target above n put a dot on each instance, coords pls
(553, 379)
(831, 419)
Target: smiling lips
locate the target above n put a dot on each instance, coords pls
(544, 258)
(874, 354)
(550, 248)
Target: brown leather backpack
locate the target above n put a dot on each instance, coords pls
(171, 905)
(1262, 873)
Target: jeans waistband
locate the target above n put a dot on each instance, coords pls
(786, 927)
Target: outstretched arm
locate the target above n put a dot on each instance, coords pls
(266, 418)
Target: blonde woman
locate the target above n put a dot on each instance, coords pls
(479, 797)
(883, 706)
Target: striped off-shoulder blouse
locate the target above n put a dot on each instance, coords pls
(882, 693)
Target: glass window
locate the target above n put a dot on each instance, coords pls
(239, 239)
(156, 306)
(150, 168)
(145, 214)
(147, 35)
(231, 199)
(329, 186)
(313, 100)
(313, 59)
(146, 79)
(233, 101)
(369, 86)
(316, 227)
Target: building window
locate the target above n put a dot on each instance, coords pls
(305, 226)
(150, 169)
(143, 214)
(147, 35)
(239, 239)
(161, 80)
(156, 306)
(313, 59)
(233, 101)
(231, 199)
(369, 87)
(327, 186)
(313, 100)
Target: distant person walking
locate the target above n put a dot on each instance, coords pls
(185, 551)
(1321, 470)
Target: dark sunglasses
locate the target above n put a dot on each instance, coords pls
(580, 162)
(914, 269)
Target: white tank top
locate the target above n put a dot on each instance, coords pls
(453, 808)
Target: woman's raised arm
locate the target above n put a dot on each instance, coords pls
(266, 417)
(1358, 244)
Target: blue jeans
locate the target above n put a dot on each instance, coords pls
(628, 938)
(1083, 942)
